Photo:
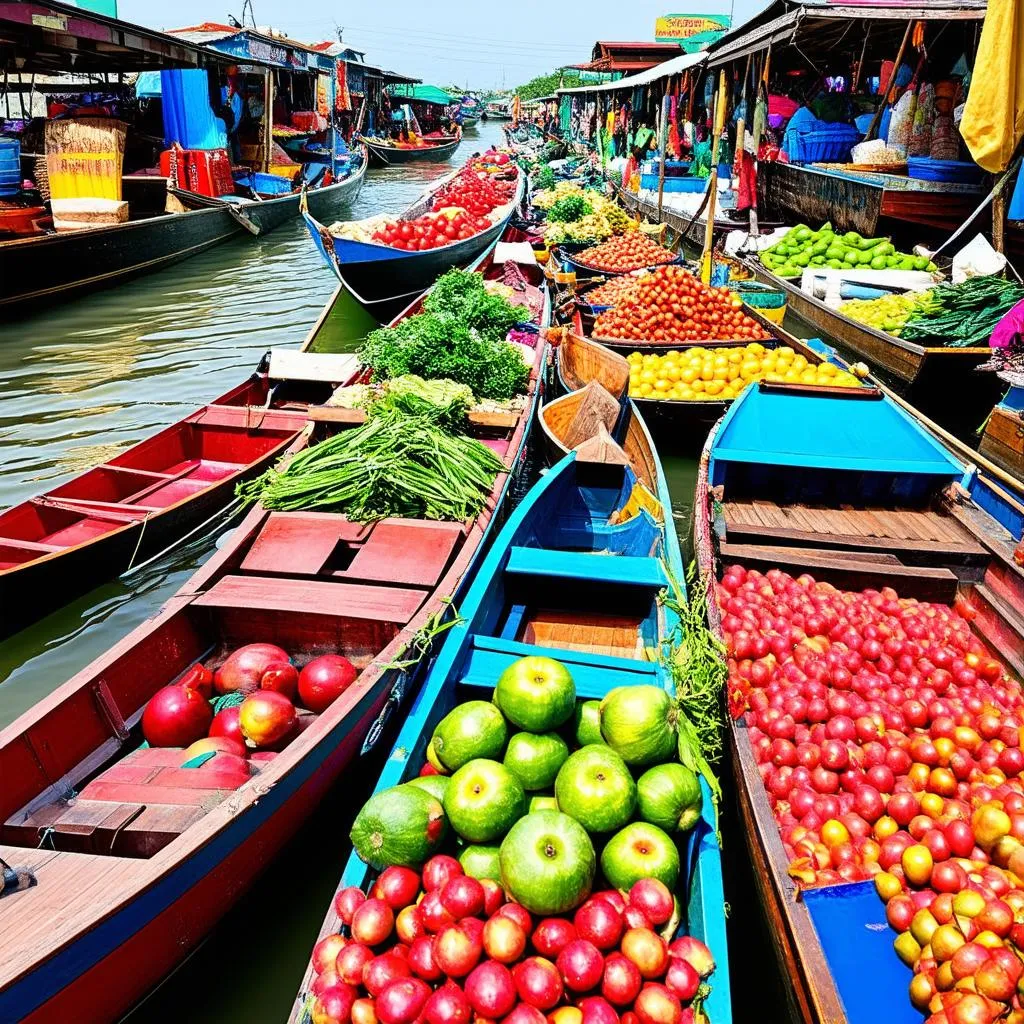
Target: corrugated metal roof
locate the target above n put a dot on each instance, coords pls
(670, 67)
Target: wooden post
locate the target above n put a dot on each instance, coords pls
(855, 85)
(999, 221)
(709, 233)
(884, 93)
(268, 119)
(666, 104)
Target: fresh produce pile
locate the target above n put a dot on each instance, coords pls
(717, 374)
(632, 251)
(961, 315)
(521, 788)
(442, 947)
(395, 464)
(889, 742)
(248, 703)
(459, 336)
(431, 231)
(543, 178)
(547, 198)
(671, 304)
(611, 292)
(473, 193)
(494, 161)
(570, 207)
(801, 247)
(581, 215)
(889, 313)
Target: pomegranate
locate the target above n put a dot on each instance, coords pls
(266, 718)
(176, 716)
(243, 670)
(323, 680)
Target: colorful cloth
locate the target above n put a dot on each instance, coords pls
(342, 101)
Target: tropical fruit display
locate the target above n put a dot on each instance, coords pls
(531, 865)
(719, 374)
(619, 255)
(888, 739)
(802, 247)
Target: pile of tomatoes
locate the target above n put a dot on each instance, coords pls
(430, 231)
(623, 253)
(890, 745)
(612, 291)
(672, 305)
(476, 194)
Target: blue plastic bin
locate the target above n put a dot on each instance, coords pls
(674, 184)
(10, 166)
(822, 144)
(963, 172)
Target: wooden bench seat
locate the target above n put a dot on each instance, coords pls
(587, 567)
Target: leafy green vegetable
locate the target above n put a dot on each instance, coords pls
(441, 401)
(544, 177)
(965, 314)
(461, 295)
(392, 465)
(570, 208)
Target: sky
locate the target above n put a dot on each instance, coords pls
(464, 42)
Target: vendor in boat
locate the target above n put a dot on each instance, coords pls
(232, 110)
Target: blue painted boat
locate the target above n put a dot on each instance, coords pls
(563, 569)
(857, 494)
(384, 279)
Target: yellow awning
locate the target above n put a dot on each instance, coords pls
(993, 120)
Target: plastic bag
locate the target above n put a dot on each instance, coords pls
(902, 122)
(977, 259)
(945, 142)
(924, 115)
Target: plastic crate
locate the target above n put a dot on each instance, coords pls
(822, 145)
(650, 181)
(10, 166)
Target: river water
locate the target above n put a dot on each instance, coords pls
(90, 378)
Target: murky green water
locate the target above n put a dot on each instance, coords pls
(93, 377)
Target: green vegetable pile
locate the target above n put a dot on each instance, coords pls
(570, 208)
(392, 465)
(544, 177)
(888, 313)
(801, 247)
(963, 315)
(458, 337)
(442, 402)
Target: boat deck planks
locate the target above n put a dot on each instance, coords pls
(611, 635)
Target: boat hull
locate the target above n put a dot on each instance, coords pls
(928, 378)
(386, 156)
(323, 203)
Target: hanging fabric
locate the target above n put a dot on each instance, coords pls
(188, 117)
(342, 100)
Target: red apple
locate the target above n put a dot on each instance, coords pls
(647, 950)
(538, 983)
(657, 1005)
(581, 965)
(435, 916)
(409, 924)
(694, 952)
(621, 982)
(351, 961)
(398, 887)
(462, 896)
(346, 902)
(490, 990)
(494, 896)
(552, 935)
(448, 1005)
(456, 951)
(682, 978)
(519, 914)
(597, 1010)
(503, 939)
(421, 959)
(382, 970)
(333, 1005)
(372, 922)
(599, 922)
(439, 870)
(653, 897)
(364, 1011)
(325, 952)
(402, 1001)
(525, 1014)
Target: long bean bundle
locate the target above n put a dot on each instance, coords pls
(963, 315)
(392, 465)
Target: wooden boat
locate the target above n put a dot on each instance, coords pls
(868, 202)
(43, 269)
(569, 578)
(261, 215)
(135, 858)
(1003, 440)
(937, 380)
(439, 150)
(383, 279)
(857, 494)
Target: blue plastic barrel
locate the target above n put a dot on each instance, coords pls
(10, 166)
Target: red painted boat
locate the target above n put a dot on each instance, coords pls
(135, 857)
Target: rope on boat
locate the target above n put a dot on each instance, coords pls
(394, 701)
(225, 513)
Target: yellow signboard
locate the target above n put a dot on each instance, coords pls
(677, 28)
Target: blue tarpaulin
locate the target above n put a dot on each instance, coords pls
(188, 117)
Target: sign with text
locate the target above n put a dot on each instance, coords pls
(691, 31)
